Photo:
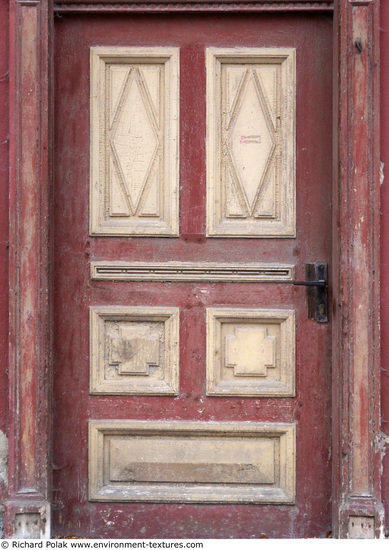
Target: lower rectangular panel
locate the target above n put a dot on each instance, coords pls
(230, 462)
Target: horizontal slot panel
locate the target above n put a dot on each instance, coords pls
(191, 272)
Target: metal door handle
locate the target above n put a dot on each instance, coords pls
(317, 291)
(321, 283)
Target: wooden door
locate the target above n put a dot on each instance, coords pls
(192, 186)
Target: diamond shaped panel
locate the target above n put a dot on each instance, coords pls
(134, 137)
(250, 139)
(134, 166)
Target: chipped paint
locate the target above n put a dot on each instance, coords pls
(3, 459)
(381, 445)
(3, 474)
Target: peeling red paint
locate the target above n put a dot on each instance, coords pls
(385, 247)
(4, 175)
(74, 291)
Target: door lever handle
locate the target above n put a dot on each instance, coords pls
(317, 291)
(322, 283)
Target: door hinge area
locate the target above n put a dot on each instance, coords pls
(317, 291)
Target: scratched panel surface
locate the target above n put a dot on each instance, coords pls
(75, 292)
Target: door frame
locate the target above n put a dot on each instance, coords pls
(356, 494)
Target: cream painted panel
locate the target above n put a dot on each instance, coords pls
(180, 461)
(250, 352)
(251, 96)
(134, 141)
(134, 350)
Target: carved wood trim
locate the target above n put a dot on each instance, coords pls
(90, 6)
(151, 334)
(356, 359)
(191, 271)
(251, 179)
(29, 435)
(140, 198)
(233, 365)
(157, 476)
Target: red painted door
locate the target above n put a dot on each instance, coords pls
(192, 185)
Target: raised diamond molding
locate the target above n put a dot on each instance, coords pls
(176, 461)
(134, 141)
(250, 352)
(251, 96)
(134, 350)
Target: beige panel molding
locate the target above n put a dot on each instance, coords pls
(191, 272)
(226, 462)
(134, 350)
(251, 142)
(250, 352)
(134, 141)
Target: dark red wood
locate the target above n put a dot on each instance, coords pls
(4, 145)
(72, 513)
(29, 434)
(384, 25)
(356, 275)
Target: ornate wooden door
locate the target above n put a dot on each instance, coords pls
(192, 187)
